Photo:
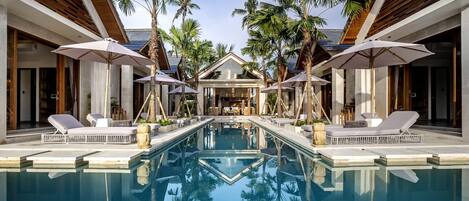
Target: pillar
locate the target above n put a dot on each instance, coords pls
(298, 91)
(127, 87)
(98, 83)
(3, 72)
(465, 72)
(86, 68)
(200, 100)
(262, 102)
(165, 98)
(337, 94)
(318, 93)
(382, 92)
(362, 92)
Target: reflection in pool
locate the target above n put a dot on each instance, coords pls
(236, 161)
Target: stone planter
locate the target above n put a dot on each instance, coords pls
(319, 135)
(143, 136)
(193, 121)
(296, 129)
(168, 128)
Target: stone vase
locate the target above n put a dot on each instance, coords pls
(143, 136)
(319, 133)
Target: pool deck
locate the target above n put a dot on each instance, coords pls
(17, 155)
(436, 148)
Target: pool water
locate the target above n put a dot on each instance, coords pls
(237, 161)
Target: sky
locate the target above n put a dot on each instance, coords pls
(216, 21)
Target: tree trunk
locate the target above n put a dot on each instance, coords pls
(309, 49)
(279, 89)
(153, 53)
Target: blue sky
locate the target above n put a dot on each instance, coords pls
(216, 21)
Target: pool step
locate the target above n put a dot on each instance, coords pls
(447, 155)
(348, 157)
(112, 159)
(16, 158)
(399, 156)
(59, 159)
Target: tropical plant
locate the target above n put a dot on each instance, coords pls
(222, 50)
(200, 54)
(307, 25)
(185, 7)
(154, 8)
(273, 24)
(250, 7)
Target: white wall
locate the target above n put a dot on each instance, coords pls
(465, 72)
(3, 72)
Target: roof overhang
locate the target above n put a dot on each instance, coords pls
(224, 59)
(37, 13)
(426, 17)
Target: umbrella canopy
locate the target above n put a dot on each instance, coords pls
(161, 78)
(104, 51)
(187, 90)
(301, 78)
(408, 175)
(274, 88)
(376, 53)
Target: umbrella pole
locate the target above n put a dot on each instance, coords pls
(106, 90)
(373, 92)
(300, 106)
(275, 106)
(161, 107)
(141, 108)
(322, 108)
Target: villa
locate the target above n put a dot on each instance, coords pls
(37, 83)
(218, 137)
(432, 86)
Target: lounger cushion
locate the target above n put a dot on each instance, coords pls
(338, 132)
(64, 122)
(402, 120)
(93, 118)
(103, 131)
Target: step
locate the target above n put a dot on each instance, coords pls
(113, 159)
(59, 159)
(447, 155)
(16, 158)
(393, 156)
(348, 157)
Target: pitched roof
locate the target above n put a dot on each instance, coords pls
(224, 59)
(138, 41)
(111, 20)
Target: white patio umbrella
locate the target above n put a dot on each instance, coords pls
(187, 90)
(300, 80)
(104, 51)
(274, 88)
(161, 79)
(377, 53)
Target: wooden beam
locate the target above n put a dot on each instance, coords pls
(454, 99)
(60, 86)
(76, 87)
(13, 64)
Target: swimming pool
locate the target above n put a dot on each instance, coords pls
(236, 161)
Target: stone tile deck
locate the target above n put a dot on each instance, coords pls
(350, 157)
(16, 159)
(448, 155)
(59, 159)
(112, 159)
(393, 156)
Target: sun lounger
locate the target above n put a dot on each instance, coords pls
(93, 119)
(70, 130)
(395, 129)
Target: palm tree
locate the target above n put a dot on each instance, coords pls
(185, 7)
(222, 49)
(154, 8)
(200, 54)
(181, 40)
(258, 47)
(307, 25)
(250, 7)
(274, 24)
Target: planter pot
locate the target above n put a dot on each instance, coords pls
(319, 136)
(296, 129)
(168, 128)
(143, 136)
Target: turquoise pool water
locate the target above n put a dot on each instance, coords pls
(237, 161)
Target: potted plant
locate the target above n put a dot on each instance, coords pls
(166, 125)
(297, 128)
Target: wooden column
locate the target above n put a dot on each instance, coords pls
(407, 88)
(249, 102)
(60, 77)
(454, 98)
(76, 87)
(258, 91)
(13, 81)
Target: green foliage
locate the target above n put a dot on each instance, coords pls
(300, 123)
(165, 122)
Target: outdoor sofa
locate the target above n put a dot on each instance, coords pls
(70, 130)
(394, 129)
